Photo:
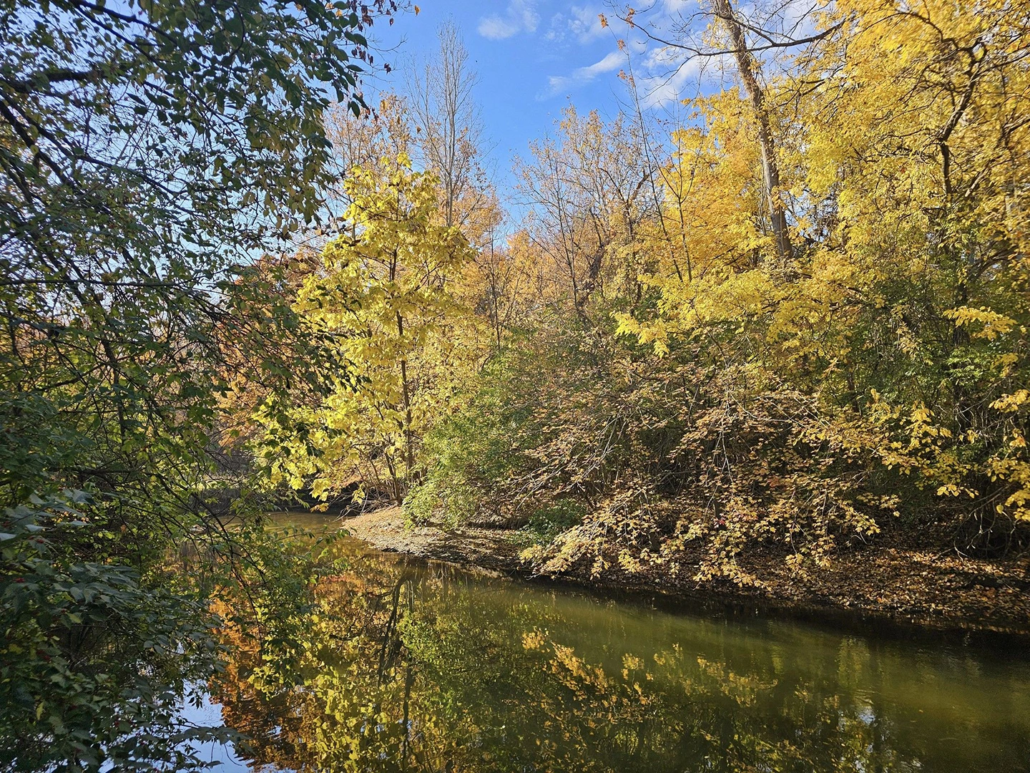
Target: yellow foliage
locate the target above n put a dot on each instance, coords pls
(386, 293)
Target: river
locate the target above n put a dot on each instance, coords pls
(425, 667)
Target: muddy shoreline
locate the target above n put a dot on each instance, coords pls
(909, 594)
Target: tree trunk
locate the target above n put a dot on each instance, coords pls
(749, 71)
(408, 437)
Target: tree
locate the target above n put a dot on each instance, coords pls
(587, 191)
(860, 379)
(370, 140)
(750, 74)
(450, 131)
(385, 294)
(769, 29)
(147, 151)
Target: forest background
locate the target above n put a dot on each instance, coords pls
(792, 321)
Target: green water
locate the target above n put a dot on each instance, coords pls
(428, 668)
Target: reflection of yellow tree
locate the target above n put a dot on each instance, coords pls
(404, 669)
(271, 722)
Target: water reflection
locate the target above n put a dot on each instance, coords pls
(413, 668)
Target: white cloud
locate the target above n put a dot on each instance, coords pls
(557, 29)
(584, 75)
(496, 28)
(799, 19)
(662, 75)
(662, 57)
(585, 23)
(520, 16)
(660, 89)
(582, 22)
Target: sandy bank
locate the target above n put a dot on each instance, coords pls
(936, 591)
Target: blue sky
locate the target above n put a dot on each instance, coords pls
(533, 57)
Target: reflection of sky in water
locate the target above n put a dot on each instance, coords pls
(210, 715)
(222, 755)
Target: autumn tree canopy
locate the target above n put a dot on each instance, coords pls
(793, 321)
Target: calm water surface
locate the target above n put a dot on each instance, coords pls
(416, 667)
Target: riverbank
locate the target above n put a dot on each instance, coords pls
(905, 587)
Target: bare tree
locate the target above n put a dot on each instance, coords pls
(587, 192)
(450, 129)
